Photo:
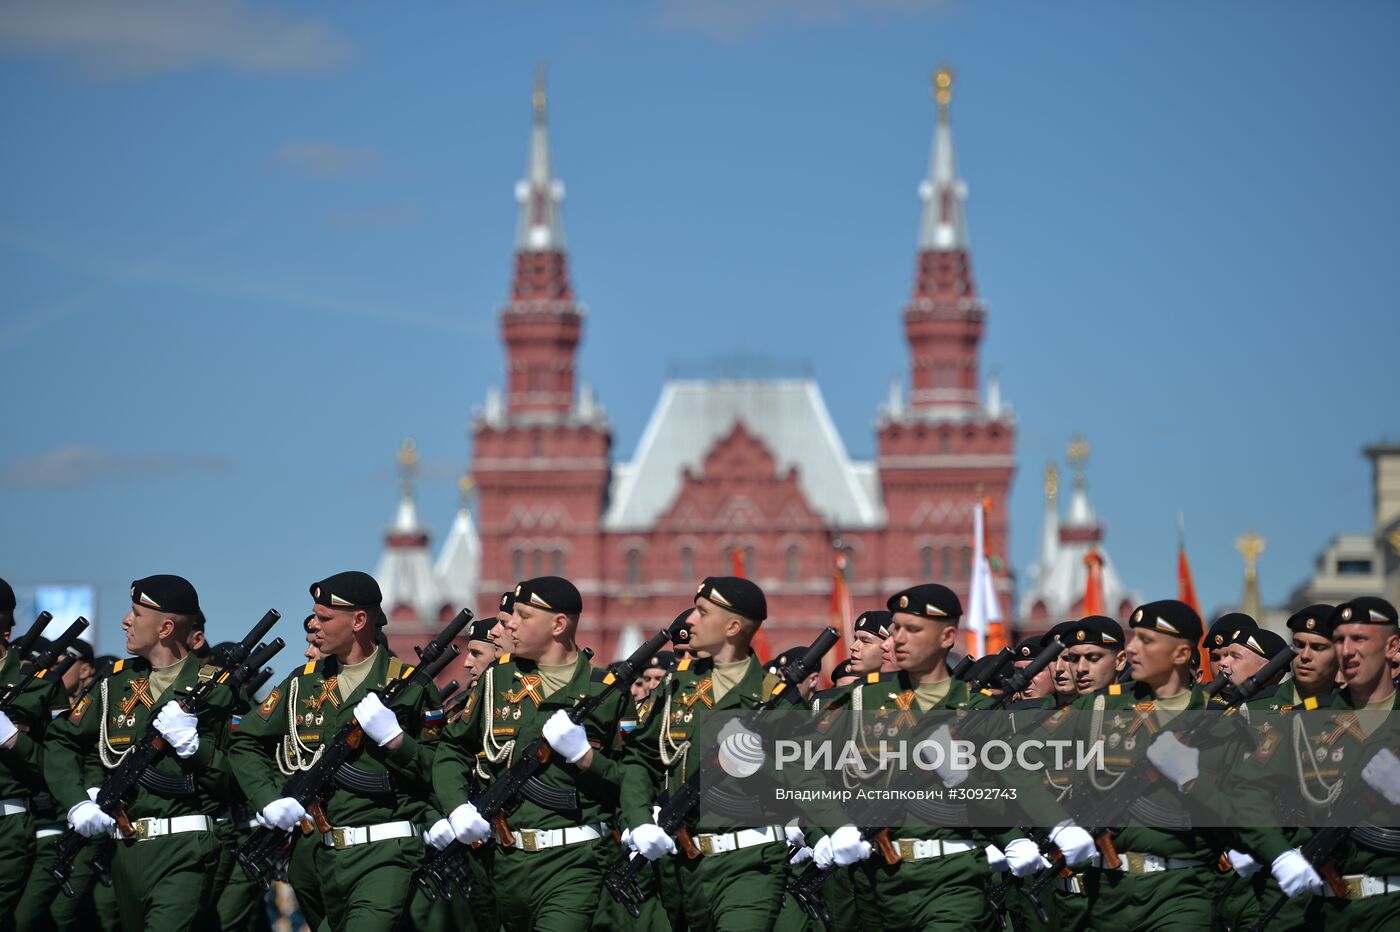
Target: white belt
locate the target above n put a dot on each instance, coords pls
(13, 806)
(1072, 884)
(916, 849)
(1360, 886)
(733, 841)
(47, 832)
(146, 829)
(349, 836)
(537, 839)
(1137, 862)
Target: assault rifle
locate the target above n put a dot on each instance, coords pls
(1110, 807)
(262, 851)
(119, 788)
(806, 888)
(504, 793)
(40, 662)
(621, 877)
(1319, 851)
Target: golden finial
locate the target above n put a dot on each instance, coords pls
(408, 464)
(1394, 540)
(466, 487)
(943, 87)
(1078, 451)
(1250, 545)
(1052, 482)
(538, 97)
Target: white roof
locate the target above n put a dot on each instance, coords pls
(1060, 575)
(459, 563)
(788, 415)
(405, 572)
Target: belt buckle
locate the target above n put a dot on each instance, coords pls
(707, 844)
(1354, 891)
(905, 847)
(527, 839)
(1136, 861)
(339, 838)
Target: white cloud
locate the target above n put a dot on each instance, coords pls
(71, 466)
(737, 20)
(319, 159)
(139, 38)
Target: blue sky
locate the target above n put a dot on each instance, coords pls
(245, 251)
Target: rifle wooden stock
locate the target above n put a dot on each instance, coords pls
(885, 845)
(687, 843)
(318, 816)
(1108, 851)
(501, 829)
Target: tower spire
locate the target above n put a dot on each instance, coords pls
(541, 195)
(944, 222)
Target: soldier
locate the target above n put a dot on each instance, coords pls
(1364, 632)
(872, 629)
(651, 677)
(1094, 654)
(1248, 651)
(480, 652)
(548, 868)
(1218, 637)
(1315, 669)
(80, 676)
(164, 873)
(22, 730)
(737, 882)
(808, 686)
(505, 610)
(843, 675)
(364, 866)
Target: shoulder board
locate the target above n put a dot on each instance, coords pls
(600, 674)
(1115, 689)
(117, 667)
(310, 668)
(873, 677)
(683, 664)
(1311, 703)
(208, 671)
(398, 669)
(880, 677)
(504, 658)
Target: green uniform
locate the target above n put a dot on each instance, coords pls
(1318, 759)
(21, 777)
(539, 882)
(362, 884)
(738, 889)
(163, 876)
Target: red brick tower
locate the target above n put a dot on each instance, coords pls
(946, 448)
(540, 459)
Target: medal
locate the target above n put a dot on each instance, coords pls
(516, 714)
(320, 719)
(1129, 744)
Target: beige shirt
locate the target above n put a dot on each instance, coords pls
(1372, 715)
(1171, 705)
(727, 675)
(351, 675)
(162, 678)
(928, 695)
(555, 678)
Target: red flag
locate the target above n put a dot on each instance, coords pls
(759, 644)
(1186, 592)
(1093, 586)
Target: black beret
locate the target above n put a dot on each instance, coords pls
(1366, 610)
(876, 623)
(551, 593)
(786, 657)
(104, 664)
(1260, 641)
(1095, 629)
(980, 666)
(82, 650)
(482, 630)
(1059, 632)
(929, 600)
(172, 594)
(735, 593)
(1315, 619)
(7, 597)
(351, 589)
(1225, 627)
(1169, 617)
(662, 660)
(507, 602)
(842, 669)
(199, 620)
(679, 631)
(1027, 648)
(306, 622)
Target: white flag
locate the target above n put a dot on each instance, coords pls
(982, 606)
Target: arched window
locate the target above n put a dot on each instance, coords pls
(557, 563)
(687, 565)
(634, 567)
(966, 562)
(517, 564)
(537, 563)
(794, 564)
(926, 564)
(947, 562)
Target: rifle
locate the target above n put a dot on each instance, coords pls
(1110, 807)
(806, 888)
(503, 794)
(42, 661)
(119, 788)
(960, 670)
(260, 852)
(1319, 851)
(621, 877)
(446, 692)
(258, 682)
(26, 644)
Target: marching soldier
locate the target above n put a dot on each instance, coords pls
(164, 872)
(480, 652)
(547, 871)
(364, 865)
(1315, 668)
(737, 882)
(1219, 635)
(1094, 653)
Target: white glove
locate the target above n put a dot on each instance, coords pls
(440, 834)
(1024, 858)
(282, 814)
(179, 728)
(821, 854)
(950, 775)
(1294, 874)
(1074, 843)
(7, 729)
(847, 847)
(567, 739)
(377, 721)
(1381, 773)
(1243, 864)
(801, 855)
(651, 841)
(1177, 762)
(996, 859)
(795, 838)
(88, 820)
(468, 825)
